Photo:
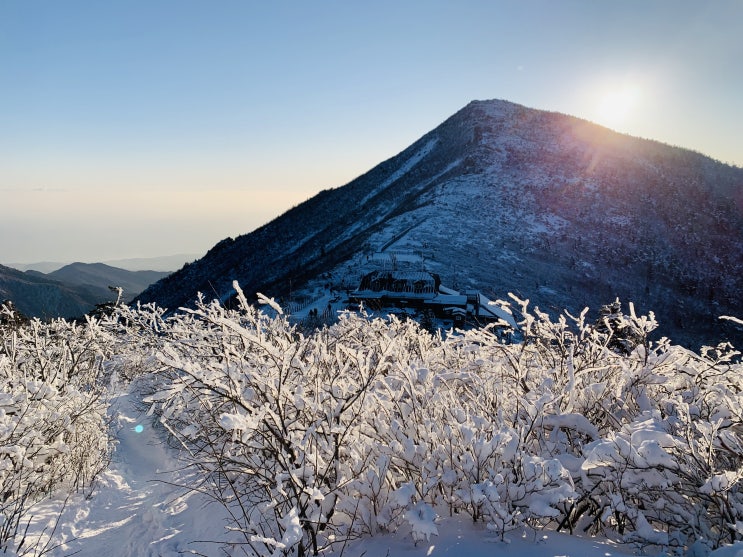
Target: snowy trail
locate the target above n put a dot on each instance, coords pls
(135, 509)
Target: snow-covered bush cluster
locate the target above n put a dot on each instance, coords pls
(376, 425)
(53, 427)
(312, 439)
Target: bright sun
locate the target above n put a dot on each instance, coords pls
(616, 105)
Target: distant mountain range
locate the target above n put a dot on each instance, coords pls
(168, 263)
(504, 198)
(71, 291)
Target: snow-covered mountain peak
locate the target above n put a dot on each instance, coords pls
(503, 198)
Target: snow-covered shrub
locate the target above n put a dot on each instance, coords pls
(373, 425)
(622, 334)
(656, 414)
(651, 437)
(447, 426)
(135, 337)
(271, 417)
(53, 429)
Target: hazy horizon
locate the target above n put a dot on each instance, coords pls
(149, 129)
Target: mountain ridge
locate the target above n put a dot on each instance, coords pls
(71, 291)
(37, 295)
(164, 263)
(101, 275)
(504, 198)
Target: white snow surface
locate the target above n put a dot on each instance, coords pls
(135, 508)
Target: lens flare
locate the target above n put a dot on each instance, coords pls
(138, 428)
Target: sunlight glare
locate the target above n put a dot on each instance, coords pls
(616, 105)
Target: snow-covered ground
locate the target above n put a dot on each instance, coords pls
(460, 538)
(138, 507)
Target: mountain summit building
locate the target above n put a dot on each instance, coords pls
(421, 290)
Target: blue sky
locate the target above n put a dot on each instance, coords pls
(144, 128)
